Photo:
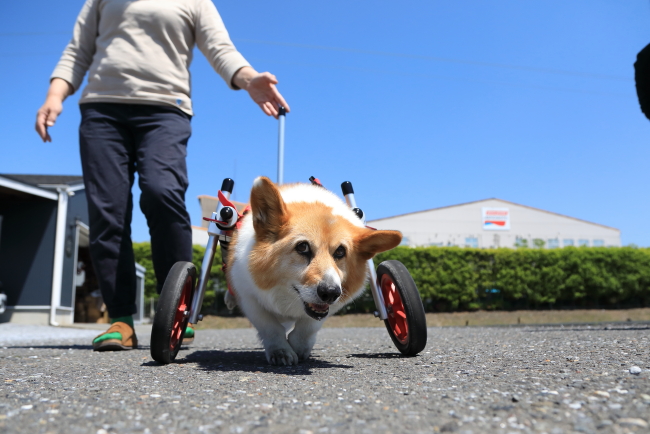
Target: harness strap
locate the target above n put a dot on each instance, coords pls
(223, 268)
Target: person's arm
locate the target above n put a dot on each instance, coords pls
(261, 88)
(53, 106)
(214, 42)
(69, 72)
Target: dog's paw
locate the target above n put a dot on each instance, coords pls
(301, 345)
(302, 349)
(304, 355)
(282, 356)
(230, 300)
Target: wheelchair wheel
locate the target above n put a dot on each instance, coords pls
(406, 323)
(171, 318)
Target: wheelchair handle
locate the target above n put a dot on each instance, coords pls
(227, 185)
(346, 187)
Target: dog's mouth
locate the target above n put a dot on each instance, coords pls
(318, 311)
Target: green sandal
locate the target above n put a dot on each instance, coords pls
(120, 336)
(188, 337)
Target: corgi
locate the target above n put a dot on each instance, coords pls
(297, 258)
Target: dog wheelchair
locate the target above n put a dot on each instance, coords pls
(395, 294)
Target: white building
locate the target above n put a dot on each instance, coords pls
(494, 223)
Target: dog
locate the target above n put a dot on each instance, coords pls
(298, 257)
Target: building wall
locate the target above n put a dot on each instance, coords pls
(26, 316)
(26, 250)
(200, 236)
(462, 225)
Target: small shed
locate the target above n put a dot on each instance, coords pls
(45, 268)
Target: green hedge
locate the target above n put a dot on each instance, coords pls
(452, 278)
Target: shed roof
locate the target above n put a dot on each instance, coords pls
(45, 186)
(45, 181)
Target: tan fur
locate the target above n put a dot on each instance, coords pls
(278, 282)
(271, 263)
(281, 226)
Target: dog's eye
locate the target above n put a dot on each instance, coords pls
(303, 248)
(339, 252)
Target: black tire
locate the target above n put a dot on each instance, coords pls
(169, 324)
(413, 339)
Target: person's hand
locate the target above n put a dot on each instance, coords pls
(46, 117)
(52, 108)
(261, 88)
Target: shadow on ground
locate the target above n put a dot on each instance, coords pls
(380, 356)
(248, 361)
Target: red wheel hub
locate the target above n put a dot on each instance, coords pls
(395, 309)
(181, 319)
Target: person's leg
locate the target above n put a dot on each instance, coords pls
(161, 136)
(108, 162)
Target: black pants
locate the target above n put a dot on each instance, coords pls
(116, 140)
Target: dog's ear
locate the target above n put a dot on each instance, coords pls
(268, 208)
(371, 242)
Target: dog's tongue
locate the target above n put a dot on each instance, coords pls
(319, 307)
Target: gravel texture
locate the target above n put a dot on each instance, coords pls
(468, 380)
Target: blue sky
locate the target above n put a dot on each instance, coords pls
(420, 104)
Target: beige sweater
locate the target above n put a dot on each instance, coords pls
(139, 51)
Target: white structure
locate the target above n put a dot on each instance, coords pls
(494, 223)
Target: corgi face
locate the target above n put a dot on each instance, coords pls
(306, 248)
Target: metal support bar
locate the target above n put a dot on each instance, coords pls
(210, 249)
(376, 292)
(59, 252)
(281, 117)
(348, 193)
(206, 265)
(349, 199)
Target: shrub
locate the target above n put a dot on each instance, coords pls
(453, 278)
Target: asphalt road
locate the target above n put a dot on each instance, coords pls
(468, 380)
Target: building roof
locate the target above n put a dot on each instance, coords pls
(500, 200)
(45, 181)
(45, 186)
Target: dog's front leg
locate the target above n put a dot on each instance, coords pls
(271, 333)
(303, 336)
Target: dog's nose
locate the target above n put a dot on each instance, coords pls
(328, 293)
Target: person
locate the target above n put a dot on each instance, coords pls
(135, 117)
(642, 79)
